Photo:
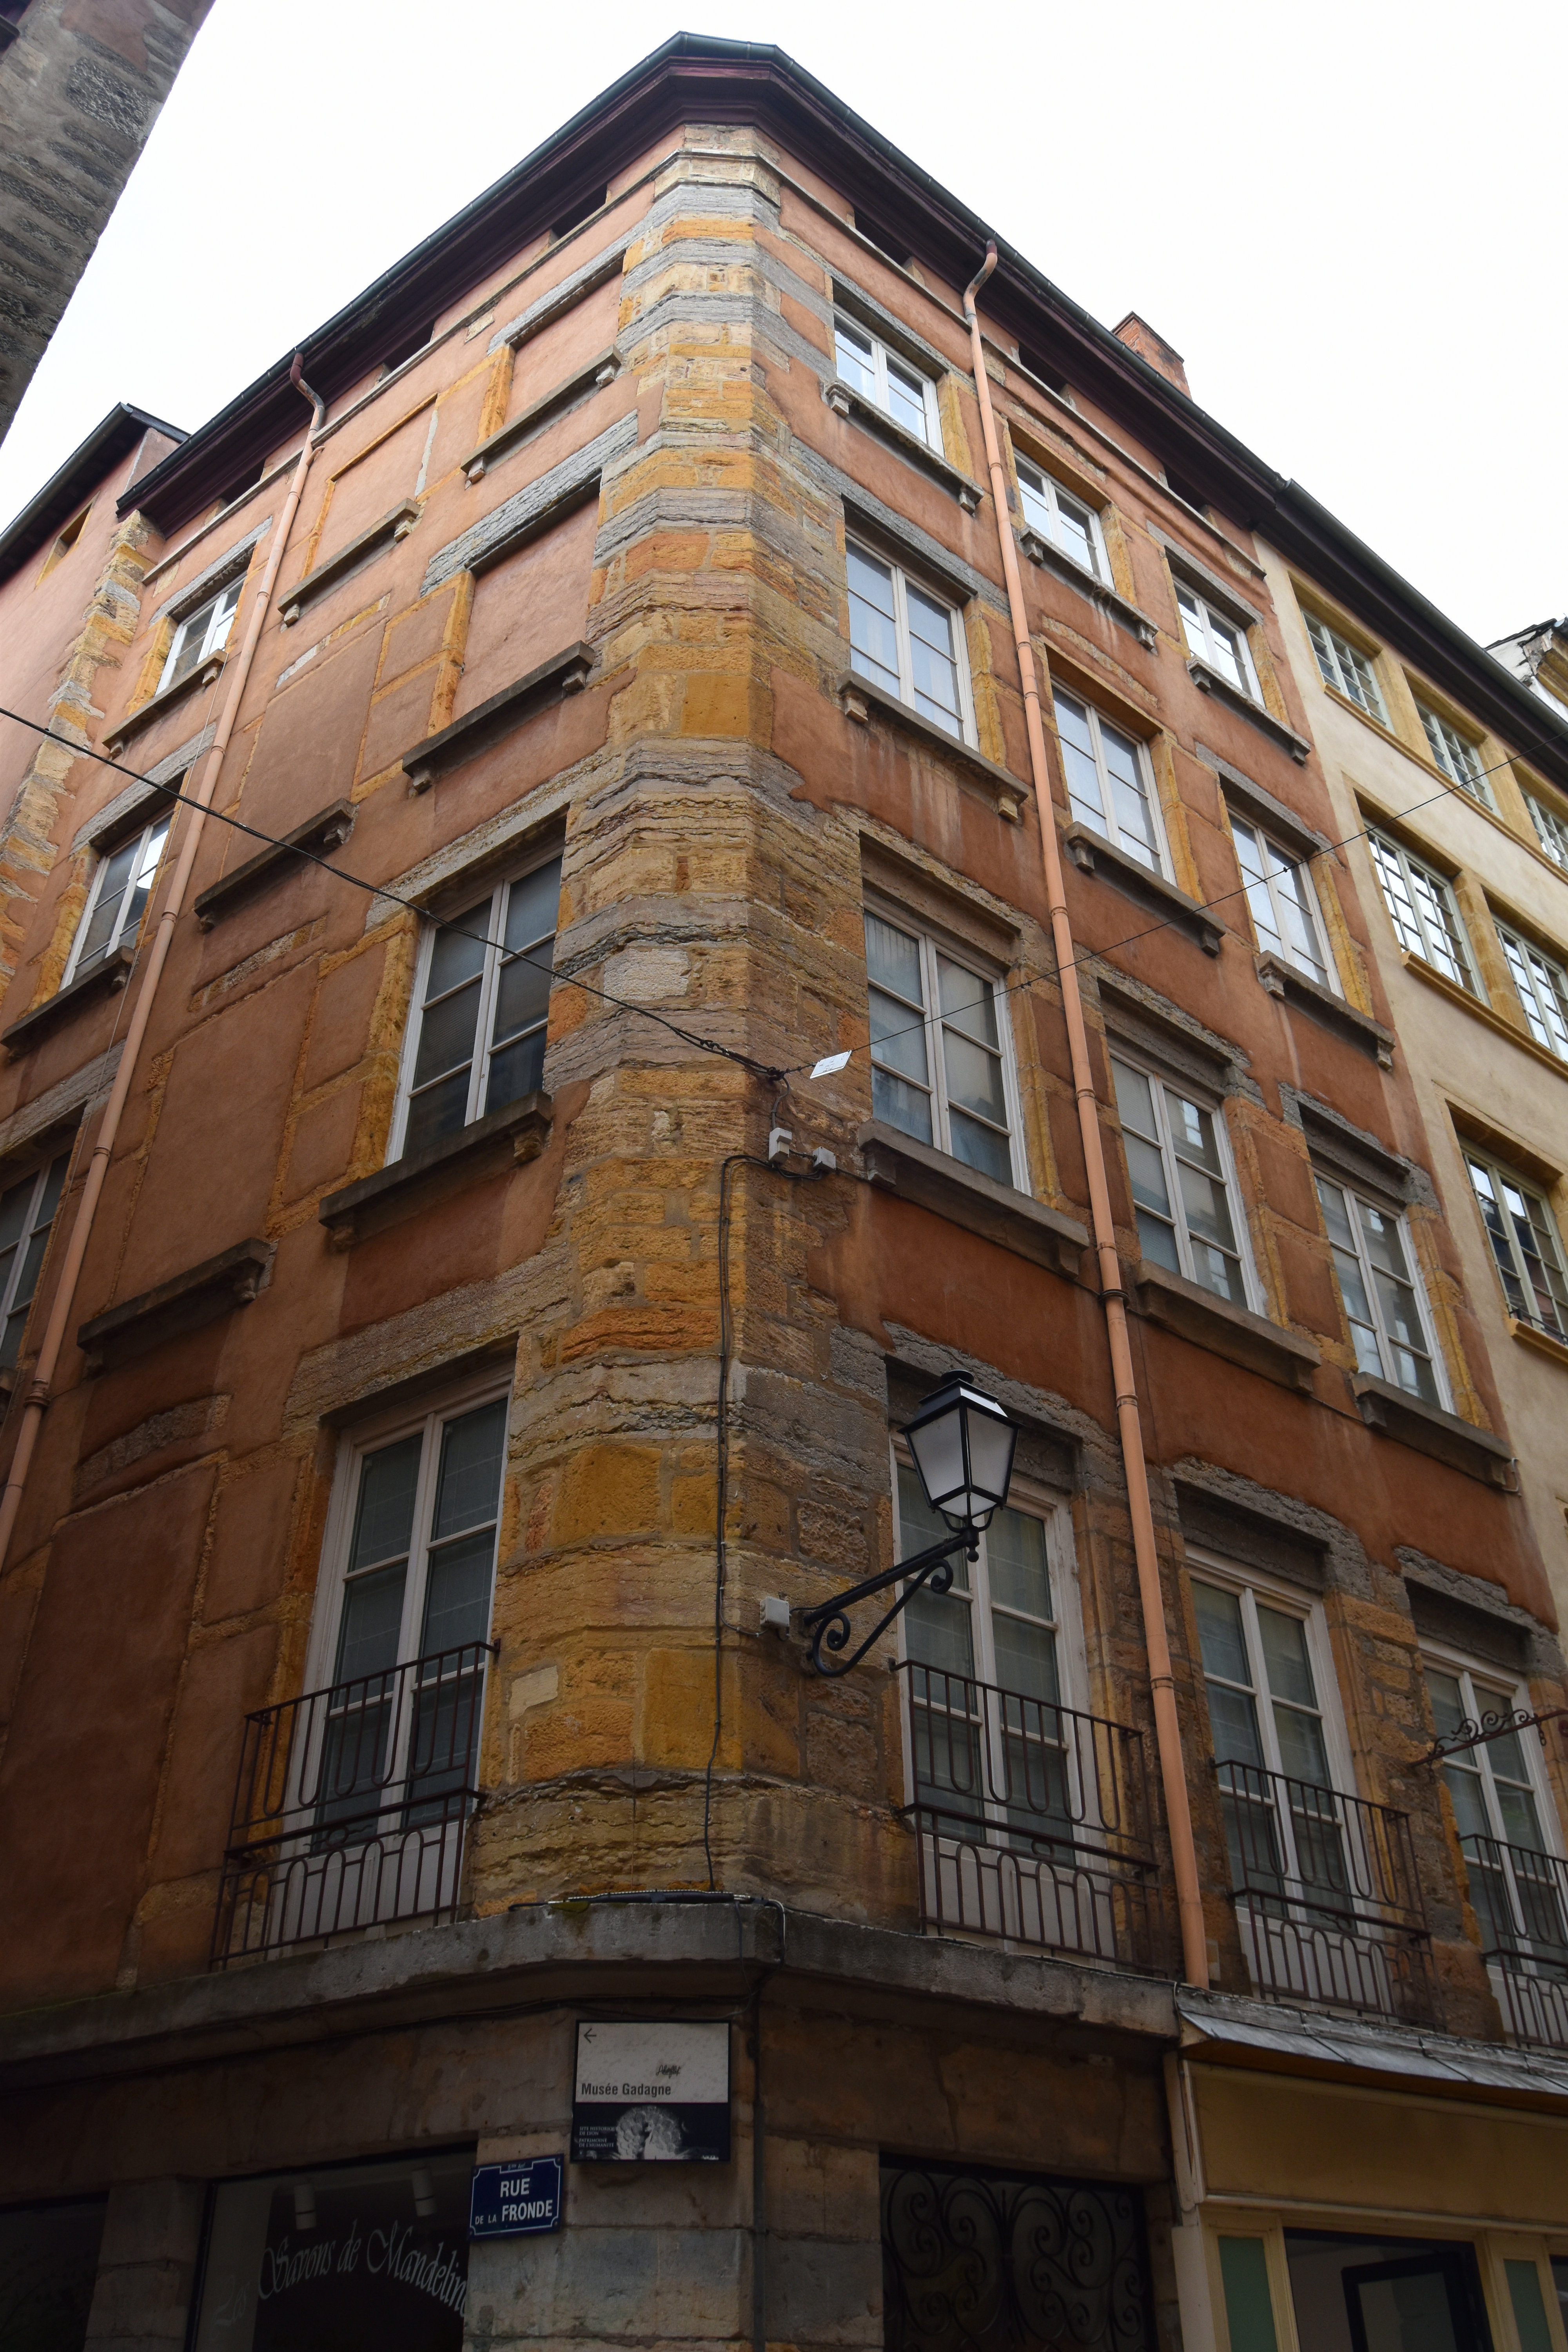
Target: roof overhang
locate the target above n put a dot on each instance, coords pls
(62, 496)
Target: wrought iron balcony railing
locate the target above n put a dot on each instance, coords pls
(352, 1805)
(1520, 1898)
(1033, 1822)
(1326, 1893)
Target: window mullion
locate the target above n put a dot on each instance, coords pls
(936, 1045)
(484, 1020)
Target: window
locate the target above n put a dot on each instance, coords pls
(1455, 754)
(1518, 1883)
(905, 640)
(1382, 1297)
(1550, 830)
(1424, 913)
(1110, 788)
(1064, 521)
(67, 541)
(1216, 640)
(1345, 668)
(118, 899)
(1284, 909)
(1525, 1244)
(205, 632)
(27, 1212)
(477, 1041)
(1543, 988)
(889, 382)
(939, 1066)
(1179, 1165)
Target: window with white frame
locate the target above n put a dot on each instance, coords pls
(27, 1212)
(1526, 1244)
(939, 1065)
(1424, 912)
(1216, 639)
(1551, 828)
(1345, 668)
(482, 999)
(1064, 521)
(1283, 903)
(1110, 786)
(118, 899)
(1542, 986)
(889, 382)
(908, 641)
(201, 633)
(1183, 1186)
(1453, 754)
(1380, 1290)
(1503, 1814)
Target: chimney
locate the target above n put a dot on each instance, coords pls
(1139, 336)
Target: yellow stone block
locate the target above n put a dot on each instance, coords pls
(607, 1490)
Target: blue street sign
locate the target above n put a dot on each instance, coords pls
(509, 2200)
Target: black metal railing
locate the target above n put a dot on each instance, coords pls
(1326, 1894)
(1033, 1822)
(352, 1806)
(1521, 1899)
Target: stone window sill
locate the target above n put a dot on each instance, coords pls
(1429, 1430)
(1093, 853)
(1210, 681)
(933, 1180)
(1050, 558)
(392, 528)
(329, 829)
(512, 1137)
(845, 402)
(860, 697)
(110, 973)
(147, 714)
(591, 378)
(1546, 1343)
(1283, 980)
(1233, 1332)
(563, 673)
(202, 1294)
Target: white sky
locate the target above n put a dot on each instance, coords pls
(1347, 217)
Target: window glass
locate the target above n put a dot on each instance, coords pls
(1422, 908)
(1265, 1716)
(1279, 897)
(1058, 516)
(1216, 640)
(1107, 780)
(1181, 1187)
(204, 633)
(905, 640)
(1518, 1885)
(1345, 668)
(1526, 1246)
(1377, 1284)
(937, 1057)
(48, 2270)
(27, 1214)
(1551, 829)
(118, 899)
(1455, 754)
(1543, 987)
(867, 364)
(483, 1008)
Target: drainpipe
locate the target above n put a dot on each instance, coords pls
(1167, 1725)
(40, 1389)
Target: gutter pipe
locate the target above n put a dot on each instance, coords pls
(40, 1387)
(1167, 1725)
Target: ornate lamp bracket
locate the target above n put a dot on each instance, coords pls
(1471, 1734)
(829, 1623)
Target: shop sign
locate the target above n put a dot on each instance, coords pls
(515, 2200)
(655, 2092)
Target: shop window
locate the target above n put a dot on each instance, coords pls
(889, 382)
(1283, 903)
(202, 633)
(1387, 2294)
(1453, 754)
(940, 1063)
(1064, 521)
(27, 1214)
(1110, 787)
(982, 2261)
(49, 2269)
(1424, 912)
(482, 1003)
(1183, 1186)
(1526, 1246)
(908, 641)
(1216, 639)
(1542, 986)
(1346, 669)
(340, 2254)
(118, 899)
(1381, 1294)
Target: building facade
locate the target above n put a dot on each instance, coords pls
(671, 840)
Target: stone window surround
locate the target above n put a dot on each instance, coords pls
(213, 576)
(1146, 1024)
(1348, 1155)
(1174, 1297)
(104, 832)
(440, 883)
(845, 401)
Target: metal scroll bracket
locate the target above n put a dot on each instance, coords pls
(829, 1625)
(1471, 1734)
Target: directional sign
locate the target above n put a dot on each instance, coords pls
(656, 2091)
(513, 2200)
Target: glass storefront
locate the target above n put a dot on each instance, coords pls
(1393, 2295)
(346, 2258)
(48, 2268)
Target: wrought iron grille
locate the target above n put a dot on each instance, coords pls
(1521, 1901)
(987, 2262)
(352, 1805)
(1033, 1822)
(1327, 1894)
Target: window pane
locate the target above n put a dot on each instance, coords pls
(372, 1616)
(1076, 532)
(893, 960)
(856, 362)
(383, 1522)
(446, 1034)
(1135, 816)
(532, 907)
(1085, 793)
(459, 951)
(441, 1110)
(1233, 1721)
(1025, 1659)
(458, 1593)
(980, 1147)
(522, 997)
(517, 1070)
(1035, 500)
(898, 1037)
(113, 883)
(469, 1485)
(973, 1077)
(1301, 1750)
(1285, 1658)
(938, 1631)
(931, 654)
(967, 1001)
(873, 629)
(1221, 1639)
(1224, 644)
(14, 1204)
(907, 401)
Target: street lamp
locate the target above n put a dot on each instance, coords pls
(963, 1443)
